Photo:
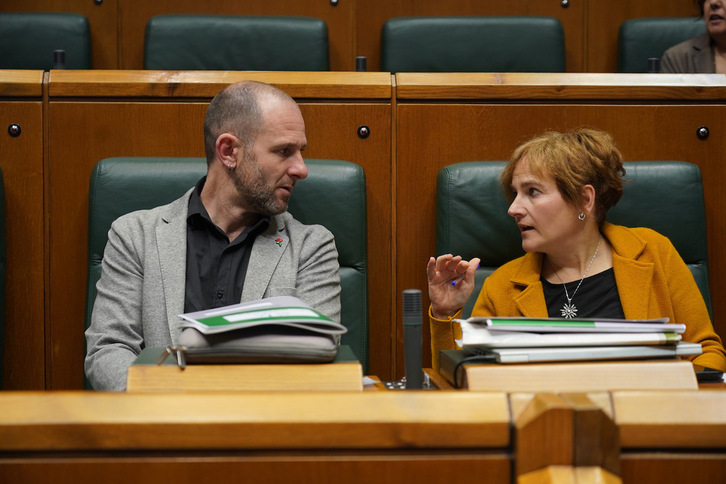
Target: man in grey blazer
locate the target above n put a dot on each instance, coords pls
(228, 239)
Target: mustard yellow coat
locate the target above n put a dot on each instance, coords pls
(652, 279)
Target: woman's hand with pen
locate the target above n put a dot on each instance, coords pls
(451, 282)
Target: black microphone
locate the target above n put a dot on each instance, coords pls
(653, 65)
(412, 340)
(59, 59)
(361, 63)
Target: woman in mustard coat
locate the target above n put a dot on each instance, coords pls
(560, 186)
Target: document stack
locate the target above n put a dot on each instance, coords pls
(530, 354)
(524, 340)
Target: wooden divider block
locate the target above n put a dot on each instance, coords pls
(564, 430)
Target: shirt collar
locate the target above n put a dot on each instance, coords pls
(198, 217)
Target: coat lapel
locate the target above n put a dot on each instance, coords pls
(264, 258)
(634, 278)
(530, 301)
(171, 236)
(703, 54)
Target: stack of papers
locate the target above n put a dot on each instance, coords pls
(279, 311)
(518, 340)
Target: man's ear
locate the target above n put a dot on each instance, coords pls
(227, 146)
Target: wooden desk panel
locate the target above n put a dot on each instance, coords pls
(21, 159)
(153, 121)
(672, 436)
(383, 436)
(434, 131)
(308, 468)
(34, 421)
(261, 437)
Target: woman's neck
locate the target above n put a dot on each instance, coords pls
(583, 258)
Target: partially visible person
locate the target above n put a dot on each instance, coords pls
(560, 187)
(705, 53)
(227, 240)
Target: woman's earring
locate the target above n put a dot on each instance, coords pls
(581, 217)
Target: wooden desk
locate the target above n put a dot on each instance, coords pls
(381, 436)
(672, 436)
(257, 437)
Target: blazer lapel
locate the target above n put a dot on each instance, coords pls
(633, 277)
(634, 280)
(530, 301)
(264, 258)
(171, 237)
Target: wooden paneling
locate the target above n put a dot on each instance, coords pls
(30, 421)
(372, 14)
(339, 16)
(386, 437)
(603, 22)
(21, 160)
(91, 118)
(674, 437)
(434, 132)
(102, 17)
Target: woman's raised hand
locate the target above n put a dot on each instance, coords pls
(451, 282)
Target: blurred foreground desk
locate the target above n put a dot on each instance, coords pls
(352, 437)
(361, 437)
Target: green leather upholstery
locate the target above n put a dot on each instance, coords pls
(333, 195)
(472, 220)
(27, 40)
(473, 44)
(642, 38)
(228, 42)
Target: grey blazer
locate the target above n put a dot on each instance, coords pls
(693, 56)
(143, 277)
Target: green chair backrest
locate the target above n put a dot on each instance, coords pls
(229, 42)
(333, 195)
(27, 40)
(640, 39)
(473, 44)
(472, 219)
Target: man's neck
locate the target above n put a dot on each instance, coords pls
(230, 218)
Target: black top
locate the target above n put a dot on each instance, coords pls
(216, 268)
(597, 297)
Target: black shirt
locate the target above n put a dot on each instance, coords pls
(216, 268)
(597, 297)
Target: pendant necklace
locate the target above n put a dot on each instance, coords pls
(569, 311)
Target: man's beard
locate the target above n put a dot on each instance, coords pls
(258, 194)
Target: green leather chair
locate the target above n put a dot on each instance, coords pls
(27, 40)
(642, 38)
(228, 42)
(472, 220)
(333, 195)
(473, 44)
